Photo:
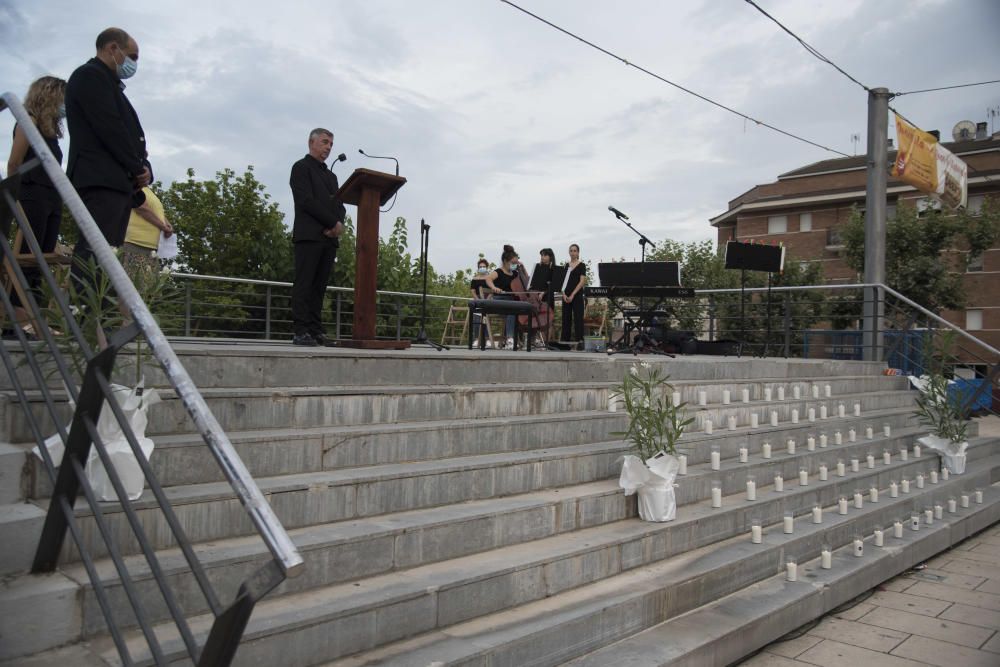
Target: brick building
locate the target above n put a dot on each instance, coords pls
(806, 208)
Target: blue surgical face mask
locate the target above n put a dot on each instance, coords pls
(127, 69)
(62, 110)
(483, 269)
(513, 266)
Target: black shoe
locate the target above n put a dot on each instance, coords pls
(323, 339)
(304, 340)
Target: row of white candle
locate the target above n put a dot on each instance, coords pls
(766, 452)
(731, 421)
(745, 395)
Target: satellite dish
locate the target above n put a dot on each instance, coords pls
(963, 130)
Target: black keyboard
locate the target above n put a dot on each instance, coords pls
(620, 291)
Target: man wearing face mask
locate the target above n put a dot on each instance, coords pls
(107, 146)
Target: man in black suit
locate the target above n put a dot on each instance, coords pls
(107, 147)
(319, 222)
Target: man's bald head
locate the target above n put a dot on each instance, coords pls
(113, 36)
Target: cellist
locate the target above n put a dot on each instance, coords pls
(500, 283)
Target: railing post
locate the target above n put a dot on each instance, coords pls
(711, 317)
(788, 324)
(267, 314)
(872, 336)
(336, 333)
(399, 319)
(187, 309)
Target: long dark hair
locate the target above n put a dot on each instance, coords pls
(547, 252)
(508, 253)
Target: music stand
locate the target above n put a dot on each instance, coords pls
(754, 257)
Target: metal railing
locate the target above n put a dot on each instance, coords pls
(89, 396)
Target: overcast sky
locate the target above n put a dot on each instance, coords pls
(508, 131)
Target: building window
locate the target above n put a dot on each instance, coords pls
(805, 222)
(926, 204)
(975, 263)
(833, 236)
(890, 211)
(975, 204)
(777, 224)
(973, 320)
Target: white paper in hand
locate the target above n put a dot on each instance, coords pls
(167, 247)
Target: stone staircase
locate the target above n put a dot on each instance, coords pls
(461, 508)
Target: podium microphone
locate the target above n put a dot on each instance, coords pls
(618, 214)
(382, 157)
(339, 158)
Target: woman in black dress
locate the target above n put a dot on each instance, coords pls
(38, 197)
(573, 299)
(499, 282)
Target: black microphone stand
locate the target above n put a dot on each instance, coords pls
(425, 238)
(643, 240)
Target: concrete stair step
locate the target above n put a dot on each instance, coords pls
(525, 605)
(20, 525)
(12, 462)
(590, 514)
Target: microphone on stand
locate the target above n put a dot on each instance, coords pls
(382, 157)
(618, 214)
(339, 158)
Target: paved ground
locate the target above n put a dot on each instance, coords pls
(947, 612)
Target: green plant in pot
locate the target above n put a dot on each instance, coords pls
(941, 412)
(655, 424)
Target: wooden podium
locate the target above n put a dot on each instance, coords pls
(368, 190)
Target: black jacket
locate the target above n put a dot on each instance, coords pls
(313, 187)
(106, 141)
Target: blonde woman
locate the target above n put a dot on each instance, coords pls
(39, 198)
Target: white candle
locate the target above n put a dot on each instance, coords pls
(838, 438)
(744, 454)
(803, 477)
(781, 393)
(716, 459)
(791, 446)
(920, 481)
(822, 440)
(842, 506)
(855, 465)
(870, 461)
(823, 473)
(682, 469)
(753, 420)
(859, 547)
(897, 529)
(817, 514)
(886, 457)
(873, 494)
(945, 474)
(815, 391)
(869, 433)
(916, 451)
(857, 409)
(965, 500)
(725, 397)
(812, 414)
(789, 524)
(767, 393)
(929, 516)
(827, 391)
(841, 411)
(774, 418)
(893, 490)
(826, 559)
(765, 450)
(745, 395)
(879, 537)
(822, 412)
(934, 476)
(811, 443)
(791, 571)
(915, 522)
(859, 500)
(841, 470)
(887, 430)
(702, 398)
(904, 454)
(716, 496)
(732, 423)
(978, 495)
(795, 416)
(708, 427)
(756, 534)
(938, 511)
(796, 392)
(852, 435)
(904, 486)
(779, 483)
(952, 505)
(751, 490)
(677, 398)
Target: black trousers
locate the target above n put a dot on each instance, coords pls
(313, 262)
(572, 318)
(44, 215)
(110, 210)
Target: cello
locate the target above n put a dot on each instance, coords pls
(541, 313)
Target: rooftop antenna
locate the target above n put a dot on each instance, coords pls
(992, 114)
(856, 139)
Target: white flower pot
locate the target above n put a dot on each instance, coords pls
(653, 481)
(952, 453)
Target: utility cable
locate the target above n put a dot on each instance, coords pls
(961, 85)
(671, 83)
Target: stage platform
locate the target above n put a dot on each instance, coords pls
(461, 507)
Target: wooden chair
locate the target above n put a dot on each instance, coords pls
(59, 262)
(595, 322)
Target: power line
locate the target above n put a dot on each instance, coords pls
(807, 46)
(671, 83)
(961, 85)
